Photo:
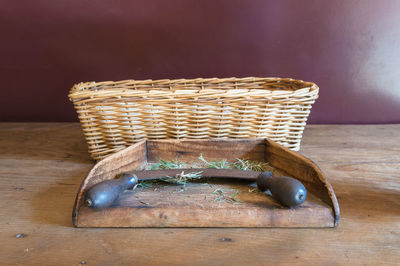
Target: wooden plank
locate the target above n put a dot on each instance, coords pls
(190, 150)
(41, 169)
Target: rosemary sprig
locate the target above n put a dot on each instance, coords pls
(222, 196)
(182, 178)
(242, 164)
(216, 164)
(163, 164)
(146, 183)
(179, 179)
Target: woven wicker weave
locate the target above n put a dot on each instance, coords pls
(115, 115)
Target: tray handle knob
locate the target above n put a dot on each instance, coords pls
(289, 191)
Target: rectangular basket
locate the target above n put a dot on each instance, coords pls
(115, 115)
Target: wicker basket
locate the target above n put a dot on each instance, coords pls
(115, 115)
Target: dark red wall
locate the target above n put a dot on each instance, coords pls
(351, 49)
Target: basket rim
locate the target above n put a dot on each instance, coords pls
(178, 87)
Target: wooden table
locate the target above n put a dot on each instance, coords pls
(43, 164)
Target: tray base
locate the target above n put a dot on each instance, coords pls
(198, 205)
(226, 203)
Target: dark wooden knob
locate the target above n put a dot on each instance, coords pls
(104, 194)
(289, 191)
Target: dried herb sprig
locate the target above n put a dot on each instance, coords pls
(215, 164)
(163, 164)
(179, 179)
(222, 196)
(242, 164)
(147, 183)
(182, 178)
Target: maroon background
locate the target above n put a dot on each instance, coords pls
(349, 48)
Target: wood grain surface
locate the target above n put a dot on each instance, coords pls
(189, 150)
(42, 166)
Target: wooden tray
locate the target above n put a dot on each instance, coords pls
(169, 206)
